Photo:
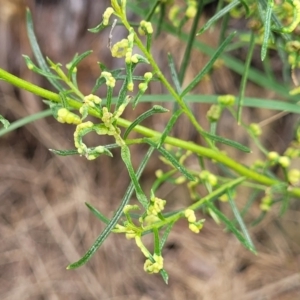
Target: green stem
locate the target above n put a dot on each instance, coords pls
(201, 151)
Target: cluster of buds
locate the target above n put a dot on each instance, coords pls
(266, 203)
(65, 116)
(208, 177)
(176, 11)
(191, 9)
(156, 206)
(226, 100)
(194, 225)
(214, 113)
(275, 158)
(225, 197)
(154, 267)
(110, 80)
(145, 28)
(255, 129)
(294, 176)
(119, 49)
(106, 15)
(144, 85)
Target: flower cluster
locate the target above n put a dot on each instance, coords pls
(156, 206)
(154, 267)
(106, 15)
(110, 80)
(65, 116)
(275, 158)
(145, 28)
(194, 225)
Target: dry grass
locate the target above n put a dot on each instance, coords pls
(44, 224)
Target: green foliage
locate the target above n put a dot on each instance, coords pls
(271, 26)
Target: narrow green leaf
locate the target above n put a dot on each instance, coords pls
(156, 109)
(248, 101)
(169, 127)
(64, 152)
(152, 10)
(5, 122)
(209, 65)
(31, 66)
(228, 142)
(109, 97)
(63, 99)
(172, 159)
(239, 219)
(174, 74)
(37, 52)
(112, 223)
(125, 154)
(267, 29)
(122, 94)
(24, 121)
(75, 61)
(164, 275)
(97, 28)
(259, 218)
(157, 249)
(285, 203)
(246, 7)
(165, 235)
(189, 45)
(245, 77)
(231, 227)
(217, 192)
(219, 15)
(161, 18)
(97, 213)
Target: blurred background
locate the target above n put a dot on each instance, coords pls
(44, 224)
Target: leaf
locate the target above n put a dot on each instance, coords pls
(219, 15)
(26, 120)
(169, 127)
(154, 110)
(112, 223)
(5, 122)
(174, 73)
(97, 28)
(97, 213)
(37, 52)
(225, 141)
(165, 235)
(157, 249)
(267, 29)
(172, 159)
(161, 18)
(75, 61)
(231, 227)
(125, 154)
(208, 66)
(213, 99)
(285, 203)
(64, 152)
(239, 219)
(164, 275)
(31, 66)
(245, 77)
